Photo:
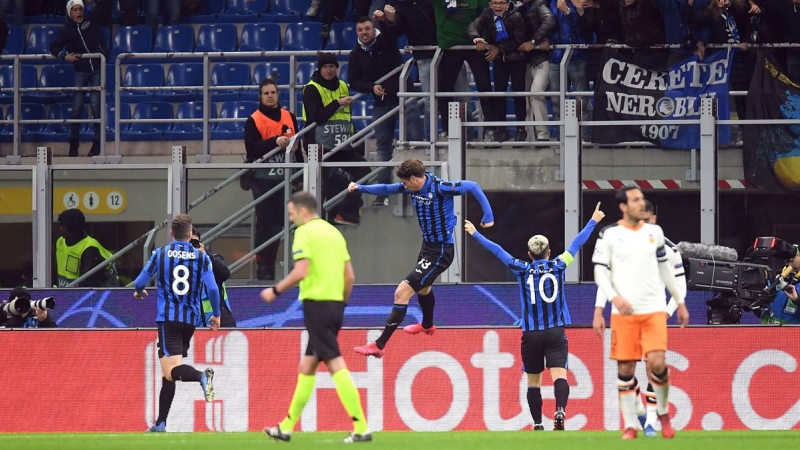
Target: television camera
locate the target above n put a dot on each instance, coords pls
(737, 286)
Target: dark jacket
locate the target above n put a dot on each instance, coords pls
(712, 18)
(539, 23)
(605, 22)
(367, 64)
(642, 23)
(257, 147)
(415, 19)
(85, 37)
(484, 26)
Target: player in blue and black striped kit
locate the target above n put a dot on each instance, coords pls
(544, 313)
(181, 271)
(432, 198)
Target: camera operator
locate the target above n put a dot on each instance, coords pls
(221, 274)
(34, 318)
(785, 308)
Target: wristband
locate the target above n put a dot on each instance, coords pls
(275, 291)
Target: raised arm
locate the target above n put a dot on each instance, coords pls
(583, 236)
(498, 252)
(466, 186)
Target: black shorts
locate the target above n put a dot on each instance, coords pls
(174, 338)
(323, 321)
(550, 345)
(433, 259)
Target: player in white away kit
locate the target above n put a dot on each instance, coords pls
(648, 416)
(630, 263)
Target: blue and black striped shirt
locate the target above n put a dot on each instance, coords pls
(434, 204)
(541, 283)
(181, 271)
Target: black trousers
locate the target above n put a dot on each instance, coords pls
(335, 10)
(269, 221)
(130, 11)
(515, 72)
(450, 66)
(336, 180)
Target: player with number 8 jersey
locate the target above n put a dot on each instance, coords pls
(544, 313)
(181, 272)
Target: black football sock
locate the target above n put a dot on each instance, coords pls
(561, 388)
(535, 404)
(395, 319)
(186, 373)
(427, 302)
(165, 399)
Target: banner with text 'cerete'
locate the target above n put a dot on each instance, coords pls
(625, 91)
(464, 379)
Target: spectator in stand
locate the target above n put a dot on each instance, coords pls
(604, 20)
(729, 23)
(505, 30)
(313, 8)
(572, 27)
(130, 12)
(77, 36)
(335, 10)
(375, 55)
(18, 8)
(415, 19)
(451, 26)
(785, 16)
(679, 30)
(100, 10)
(642, 26)
(154, 8)
(539, 23)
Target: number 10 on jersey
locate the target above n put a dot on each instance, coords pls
(540, 290)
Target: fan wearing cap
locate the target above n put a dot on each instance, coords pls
(77, 36)
(327, 102)
(78, 253)
(34, 318)
(544, 313)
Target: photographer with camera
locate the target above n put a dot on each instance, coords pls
(20, 312)
(221, 274)
(786, 307)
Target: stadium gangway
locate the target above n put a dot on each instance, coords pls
(17, 103)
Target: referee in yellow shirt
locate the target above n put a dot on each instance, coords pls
(323, 270)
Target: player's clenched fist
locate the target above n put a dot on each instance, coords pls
(469, 227)
(352, 187)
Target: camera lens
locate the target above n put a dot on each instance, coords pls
(195, 243)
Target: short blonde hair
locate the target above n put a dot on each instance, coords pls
(538, 246)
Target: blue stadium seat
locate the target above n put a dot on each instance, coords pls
(106, 37)
(28, 76)
(217, 38)
(141, 131)
(229, 74)
(87, 132)
(285, 11)
(39, 39)
(304, 72)
(30, 111)
(142, 75)
(174, 39)
(59, 132)
(182, 74)
(260, 37)
(16, 41)
(343, 36)
(361, 108)
(189, 131)
(231, 110)
(343, 73)
(61, 75)
(209, 10)
(138, 39)
(243, 11)
(279, 71)
(302, 36)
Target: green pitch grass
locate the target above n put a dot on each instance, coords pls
(701, 440)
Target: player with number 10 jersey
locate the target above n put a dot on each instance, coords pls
(544, 314)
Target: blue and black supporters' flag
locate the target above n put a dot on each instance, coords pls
(625, 91)
(772, 152)
(179, 268)
(541, 287)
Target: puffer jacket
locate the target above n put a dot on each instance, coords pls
(539, 23)
(85, 37)
(642, 23)
(484, 27)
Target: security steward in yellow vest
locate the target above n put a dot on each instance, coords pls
(270, 126)
(77, 253)
(326, 102)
